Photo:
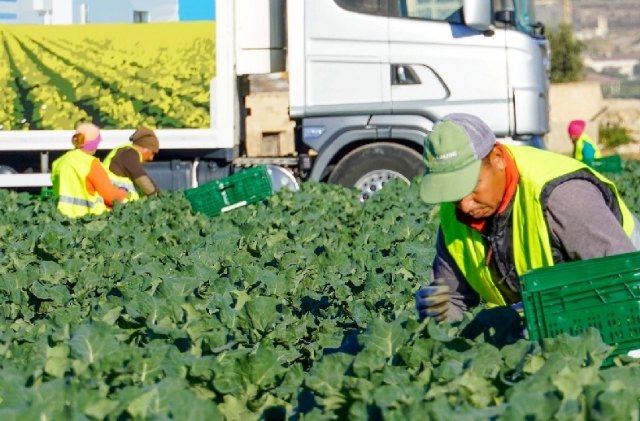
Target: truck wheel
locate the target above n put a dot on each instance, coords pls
(5, 169)
(369, 167)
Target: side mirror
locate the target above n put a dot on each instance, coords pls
(539, 29)
(477, 14)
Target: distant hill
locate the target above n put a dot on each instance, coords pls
(609, 29)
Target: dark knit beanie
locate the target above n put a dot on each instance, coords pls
(146, 138)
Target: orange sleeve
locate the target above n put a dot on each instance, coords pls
(98, 181)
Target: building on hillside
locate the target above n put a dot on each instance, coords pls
(62, 12)
(623, 65)
(600, 31)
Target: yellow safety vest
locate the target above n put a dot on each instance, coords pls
(68, 176)
(532, 245)
(120, 181)
(582, 140)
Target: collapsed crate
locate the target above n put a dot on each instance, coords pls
(569, 298)
(215, 197)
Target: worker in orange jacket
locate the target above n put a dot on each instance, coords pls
(81, 185)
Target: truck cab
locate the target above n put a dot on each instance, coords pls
(365, 82)
(369, 78)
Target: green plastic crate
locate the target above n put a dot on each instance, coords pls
(611, 164)
(247, 186)
(569, 298)
(46, 193)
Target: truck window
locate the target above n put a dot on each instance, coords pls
(441, 10)
(370, 7)
(523, 14)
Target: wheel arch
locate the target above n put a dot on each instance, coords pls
(346, 142)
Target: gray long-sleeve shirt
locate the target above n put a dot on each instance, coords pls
(580, 223)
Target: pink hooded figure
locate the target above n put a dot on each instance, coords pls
(584, 148)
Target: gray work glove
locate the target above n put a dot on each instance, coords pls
(433, 301)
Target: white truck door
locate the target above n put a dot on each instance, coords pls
(440, 66)
(346, 57)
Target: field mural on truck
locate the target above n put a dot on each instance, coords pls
(116, 75)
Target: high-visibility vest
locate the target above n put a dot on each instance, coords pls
(530, 236)
(582, 140)
(121, 181)
(69, 178)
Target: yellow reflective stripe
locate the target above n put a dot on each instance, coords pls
(81, 202)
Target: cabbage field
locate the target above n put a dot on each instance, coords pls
(118, 76)
(300, 308)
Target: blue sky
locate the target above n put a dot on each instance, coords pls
(197, 10)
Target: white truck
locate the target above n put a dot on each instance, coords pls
(366, 81)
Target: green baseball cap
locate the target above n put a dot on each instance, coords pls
(453, 153)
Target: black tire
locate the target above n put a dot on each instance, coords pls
(369, 167)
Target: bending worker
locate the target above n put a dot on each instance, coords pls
(506, 210)
(125, 163)
(80, 184)
(584, 148)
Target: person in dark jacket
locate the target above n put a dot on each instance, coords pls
(505, 210)
(125, 163)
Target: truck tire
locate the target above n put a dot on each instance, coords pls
(369, 167)
(5, 169)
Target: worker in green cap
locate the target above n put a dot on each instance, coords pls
(505, 210)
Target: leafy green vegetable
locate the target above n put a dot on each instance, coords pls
(299, 307)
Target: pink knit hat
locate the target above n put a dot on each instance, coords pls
(576, 128)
